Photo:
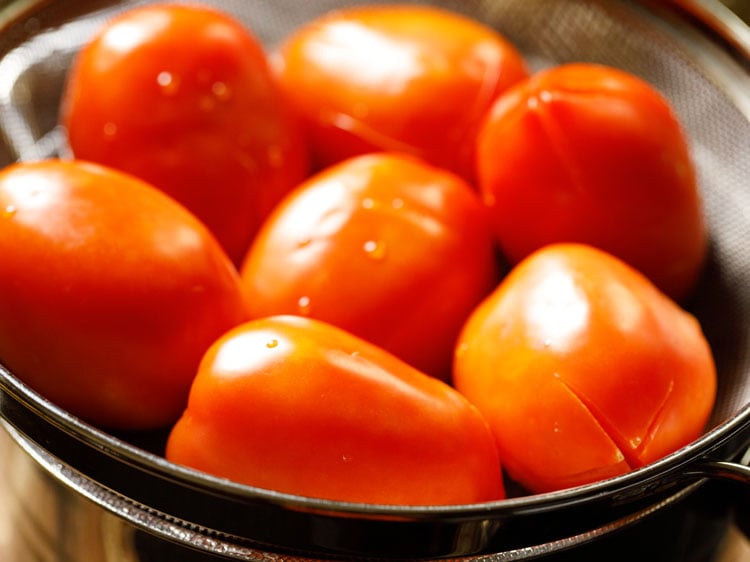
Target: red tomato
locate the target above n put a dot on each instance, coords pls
(413, 79)
(298, 406)
(590, 154)
(384, 246)
(110, 292)
(182, 97)
(584, 369)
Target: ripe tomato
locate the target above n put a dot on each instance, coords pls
(412, 79)
(584, 369)
(296, 405)
(182, 97)
(590, 154)
(110, 292)
(383, 245)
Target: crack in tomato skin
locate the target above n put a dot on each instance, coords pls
(628, 379)
(631, 439)
(564, 444)
(590, 154)
(628, 447)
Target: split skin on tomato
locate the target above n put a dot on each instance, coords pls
(298, 406)
(413, 79)
(182, 97)
(385, 246)
(591, 154)
(583, 369)
(110, 292)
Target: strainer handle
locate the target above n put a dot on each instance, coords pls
(723, 470)
(736, 472)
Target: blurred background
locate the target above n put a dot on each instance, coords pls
(741, 7)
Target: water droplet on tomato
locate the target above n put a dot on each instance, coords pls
(462, 348)
(272, 343)
(9, 211)
(397, 203)
(109, 129)
(375, 249)
(368, 203)
(303, 305)
(221, 91)
(168, 83)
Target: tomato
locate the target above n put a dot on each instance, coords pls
(412, 79)
(382, 245)
(591, 154)
(296, 405)
(110, 292)
(584, 369)
(182, 97)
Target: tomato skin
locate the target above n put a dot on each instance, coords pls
(384, 246)
(412, 79)
(182, 97)
(584, 369)
(298, 406)
(590, 154)
(110, 292)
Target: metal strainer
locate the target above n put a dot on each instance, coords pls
(696, 53)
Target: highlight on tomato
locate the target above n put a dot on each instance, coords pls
(404, 78)
(584, 369)
(592, 154)
(182, 97)
(110, 292)
(382, 245)
(298, 406)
